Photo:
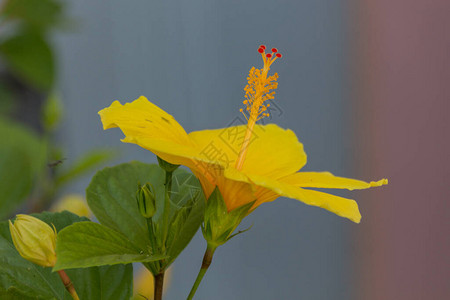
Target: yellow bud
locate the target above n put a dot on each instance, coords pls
(74, 203)
(144, 283)
(34, 239)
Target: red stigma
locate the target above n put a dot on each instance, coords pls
(263, 47)
(260, 50)
(274, 50)
(278, 55)
(268, 55)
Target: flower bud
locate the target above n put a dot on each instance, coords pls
(168, 167)
(34, 239)
(146, 200)
(219, 224)
(74, 203)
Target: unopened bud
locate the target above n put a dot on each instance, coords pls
(166, 166)
(34, 239)
(219, 224)
(74, 203)
(146, 201)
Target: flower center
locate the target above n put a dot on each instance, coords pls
(257, 92)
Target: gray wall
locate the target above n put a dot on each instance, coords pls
(192, 58)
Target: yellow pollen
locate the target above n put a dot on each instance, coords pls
(258, 90)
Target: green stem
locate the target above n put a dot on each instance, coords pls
(151, 234)
(207, 259)
(168, 189)
(157, 265)
(159, 283)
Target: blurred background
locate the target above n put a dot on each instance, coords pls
(364, 84)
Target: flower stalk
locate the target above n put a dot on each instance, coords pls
(68, 284)
(159, 245)
(167, 192)
(169, 169)
(207, 259)
(159, 284)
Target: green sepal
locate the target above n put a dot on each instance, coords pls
(166, 166)
(239, 232)
(219, 224)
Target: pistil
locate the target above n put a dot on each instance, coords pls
(257, 91)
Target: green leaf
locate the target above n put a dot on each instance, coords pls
(22, 158)
(30, 57)
(36, 13)
(88, 162)
(106, 282)
(111, 196)
(15, 179)
(7, 104)
(189, 198)
(51, 111)
(88, 244)
(21, 279)
(14, 294)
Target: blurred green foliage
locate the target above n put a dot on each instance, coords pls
(41, 14)
(30, 57)
(52, 112)
(32, 166)
(25, 47)
(22, 158)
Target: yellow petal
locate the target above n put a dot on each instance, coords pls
(235, 193)
(141, 118)
(328, 180)
(148, 126)
(341, 206)
(273, 151)
(171, 152)
(219, 145)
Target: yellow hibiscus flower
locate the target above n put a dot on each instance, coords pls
(247, 163)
